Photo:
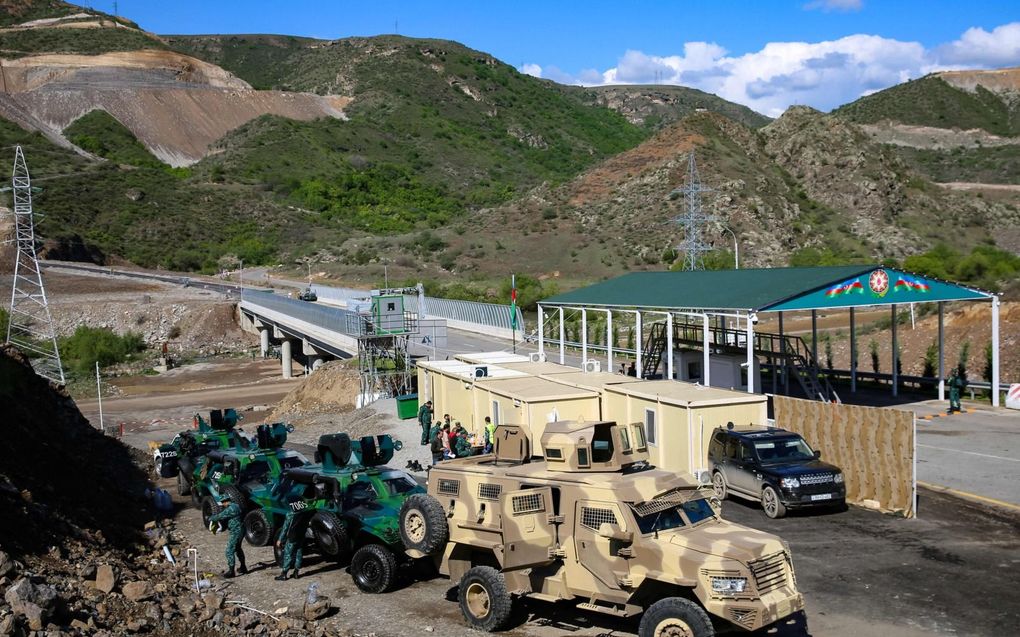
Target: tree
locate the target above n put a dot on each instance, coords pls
(961, 365)
(931, 357)
(873, 349)
(828, 350)
(987, 373)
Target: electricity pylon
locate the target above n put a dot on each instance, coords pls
(693, 220)
(30, 326)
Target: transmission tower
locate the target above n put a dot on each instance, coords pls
(693, 220)
(31, 326)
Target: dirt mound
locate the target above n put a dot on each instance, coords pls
(334, 387)
(997, 80)
(59, 477)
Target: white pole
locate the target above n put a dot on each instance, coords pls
(563, 338)
(913, 326)
(814, 336)
(637, 344)
(750, 354)
(541, 330)
(895, 371)
(706, 360)
(584, 336)
(853, 352)
(669, 345)
(995, 351)
(99, 393)
(435, 354)
(942, 356)
(240, 277)
(609, 341)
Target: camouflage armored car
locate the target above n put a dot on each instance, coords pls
(183, 457)
(594, 523)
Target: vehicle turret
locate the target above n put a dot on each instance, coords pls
(336, 451)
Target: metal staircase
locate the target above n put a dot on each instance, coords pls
(652, 350)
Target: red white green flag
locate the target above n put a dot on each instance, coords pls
(513, 302)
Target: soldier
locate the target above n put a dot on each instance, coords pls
(956, 384)
(425, 420)
(232, 515)
(292, 537)
(490, 435)
(436, 440)
(460, 442)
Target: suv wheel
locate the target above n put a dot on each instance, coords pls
(484, 600)
(675, 617)
(373, 568)
(770, 503)
(423, 525)
(719, 485)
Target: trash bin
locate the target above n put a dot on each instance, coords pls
(407, 406)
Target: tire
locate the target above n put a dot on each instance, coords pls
(423, 525)
(209, 509)
(484, 600)
(258, 528)
(719, 485)
(373, 568)
(330, 536)
(183, 488)
(196, 497)
(675, 616)
(770, 503)
(236, 495)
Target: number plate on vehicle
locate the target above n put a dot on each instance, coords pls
(822, 496)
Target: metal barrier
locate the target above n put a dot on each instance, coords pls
(331, 318)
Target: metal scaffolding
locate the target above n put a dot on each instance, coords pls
(31, 325)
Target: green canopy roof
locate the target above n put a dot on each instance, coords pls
(766, 289)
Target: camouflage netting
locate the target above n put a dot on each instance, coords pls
(60, 478)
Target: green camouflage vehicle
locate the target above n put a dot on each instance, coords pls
(359, 518)
(184, 456)
(226, 471)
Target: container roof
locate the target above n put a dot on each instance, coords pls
(492, 357)
(537, 369)
(595, 381)
(533, 389)
(466, 371)
(684, 394)
(767, 289)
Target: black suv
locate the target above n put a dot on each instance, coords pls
(773, 466)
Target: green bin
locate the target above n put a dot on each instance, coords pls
(407, 406)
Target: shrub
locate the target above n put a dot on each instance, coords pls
(873, 350)
(931, 357)
(90, 345)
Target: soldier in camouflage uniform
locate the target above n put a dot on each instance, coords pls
(232, 515)
(292, 536)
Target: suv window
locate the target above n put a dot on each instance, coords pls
(780, 450)
(745, 452)
(732, 448)
(718, 444)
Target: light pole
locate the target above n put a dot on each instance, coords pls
(240, 277)
(736, 249)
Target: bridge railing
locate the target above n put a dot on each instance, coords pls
(324, 316)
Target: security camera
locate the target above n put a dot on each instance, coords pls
(754, 318)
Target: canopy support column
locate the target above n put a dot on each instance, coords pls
(584, 335)
(669, 345)
(895, 355)
(786, 362)
(563, 338)
(706, 361)
(853, 352)
(750, 354)
(995, 351)
(942, 351)
(541, 331)
(637, 344)
(609, 341)
(814, 336)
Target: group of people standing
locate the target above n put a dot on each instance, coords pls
(449, 439)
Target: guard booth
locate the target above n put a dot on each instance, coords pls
(532, 402)
(679, 418)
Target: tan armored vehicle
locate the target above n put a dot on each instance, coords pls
(594, 523)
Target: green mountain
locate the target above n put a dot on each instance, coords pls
(656, 107)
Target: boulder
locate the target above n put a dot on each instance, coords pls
(212, 600)
(35, 602)
(317, 609)
(105, 579)
(138, 591)
(7, 565)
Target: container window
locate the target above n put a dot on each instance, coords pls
(650, 426)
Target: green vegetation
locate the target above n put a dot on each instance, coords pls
(931, 101)
(80, 41)
(100, 133)
(5, 319)
(661, 106)
(981, 164)
(88, 345)
(985, 267)
(25, 11)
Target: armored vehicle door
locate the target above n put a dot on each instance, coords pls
(601, 534)
(528, 534)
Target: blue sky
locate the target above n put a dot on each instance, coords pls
(766, 54)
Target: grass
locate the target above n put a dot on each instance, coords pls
(80, 41)
(986, 165)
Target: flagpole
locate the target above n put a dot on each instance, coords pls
(513, 311)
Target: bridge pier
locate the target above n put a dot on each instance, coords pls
(264, 340)
(286, 358)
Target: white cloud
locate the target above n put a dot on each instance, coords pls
(531, 69)
(819, 74)
(835, 5)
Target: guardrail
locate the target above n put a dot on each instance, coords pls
(331, 318)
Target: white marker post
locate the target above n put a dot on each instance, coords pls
(99, 393)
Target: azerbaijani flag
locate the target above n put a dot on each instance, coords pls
(513, 302)
(846, 287)
(910, 284)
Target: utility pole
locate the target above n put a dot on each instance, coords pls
(30, 325)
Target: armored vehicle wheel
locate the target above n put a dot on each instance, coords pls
(719, 485)
(423, 525)
(258, 528)
(484, 600)
(209, 509)
(330, 536)
(183, 488)
(196, 497)
(373, 568)
(770, 503)
(236, 496)
(675, 617)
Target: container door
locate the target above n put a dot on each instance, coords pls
(599, 554)
(528, 535)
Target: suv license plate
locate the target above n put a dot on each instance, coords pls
(822, 496)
